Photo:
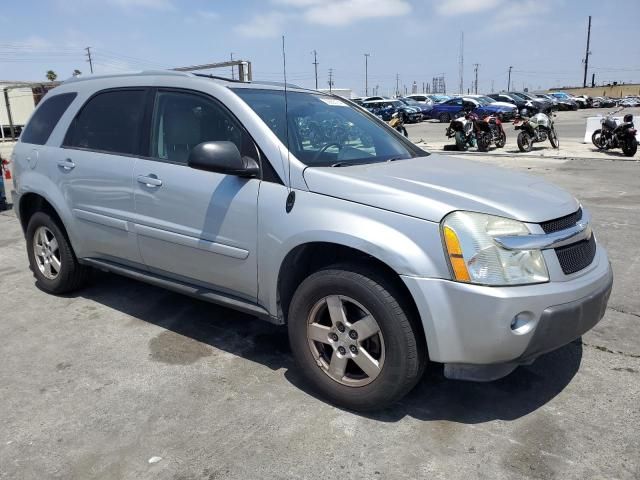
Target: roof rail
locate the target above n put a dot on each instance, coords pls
(128, 74)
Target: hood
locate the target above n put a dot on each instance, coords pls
(431, 187)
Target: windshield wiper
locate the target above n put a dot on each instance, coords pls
(340, 164)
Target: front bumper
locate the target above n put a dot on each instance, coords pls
(469, 324)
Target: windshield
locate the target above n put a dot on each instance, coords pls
(479, 100)
(325, 130)
(518, 96)
(560, 95)
(410, 101)
(487, 100)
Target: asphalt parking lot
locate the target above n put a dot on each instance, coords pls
(96, 384)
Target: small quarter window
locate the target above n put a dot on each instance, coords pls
(46, 118)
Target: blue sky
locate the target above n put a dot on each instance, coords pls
(544, 40)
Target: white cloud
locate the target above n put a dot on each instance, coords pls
(149, 4)
(264, 25)
(346, 12)
(462, 7)
(514, 16)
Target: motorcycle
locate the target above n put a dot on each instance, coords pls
(612, 135)
(462, 129)
(469, 130)
(489, 131)
(397, 122)
(534, 129)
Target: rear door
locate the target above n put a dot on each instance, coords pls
(195, 225)
(94, 169)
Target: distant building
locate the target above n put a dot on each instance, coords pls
(23, 98)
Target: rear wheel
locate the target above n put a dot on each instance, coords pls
(353, 338)
(598, 140)
(444, 117)
(524, 142)
(630, 146)
(553, 138)
(51, 257)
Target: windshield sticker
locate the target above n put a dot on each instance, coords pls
(333, 102)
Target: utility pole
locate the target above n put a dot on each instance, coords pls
(593, 80)
(397, 84)
(475, 69)
(88, 49)
(233, 75)
(509, 81)
(586, 56)
(461, 66)
(315, 65)
(330, 79)
(366, 74)
(492, 90)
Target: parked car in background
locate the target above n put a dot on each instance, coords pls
(630, 102)
(448, 110)
(424, 108)
(369, 99)
(553, 100)
(438, 97)
(489, 100)
(358, 100)
(386, 108)
(604, 102)
(508, 98)
(565, 102)
(421, 98)
(534, 103)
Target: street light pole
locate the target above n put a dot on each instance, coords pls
(366, 74)
(509, 81)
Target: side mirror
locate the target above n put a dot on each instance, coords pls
(222, 157)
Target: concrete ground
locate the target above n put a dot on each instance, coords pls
(97, 384)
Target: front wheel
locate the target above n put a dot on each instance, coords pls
(353, 338)
(461, 141)
(502, 140)
(524, 142)
(630, 146)
(598, 140)
(484, 140)
(553, 138)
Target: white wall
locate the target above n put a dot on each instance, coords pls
(21, 102)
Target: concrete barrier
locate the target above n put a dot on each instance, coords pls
(593, 123)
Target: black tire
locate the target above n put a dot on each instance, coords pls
(484, 140)
(524, 142)
(444, 117)
(502, 141)
(404, 343)
(598, 140)
(461, 141)
(71, 275)
(630, 146)
(553, 138)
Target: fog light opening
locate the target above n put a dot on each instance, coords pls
(522, 323)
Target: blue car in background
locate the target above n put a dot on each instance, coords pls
(450, 109)
(425, 108)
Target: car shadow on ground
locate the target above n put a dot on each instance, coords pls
(434, 398)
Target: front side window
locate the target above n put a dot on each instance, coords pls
(325, 130)
(110, 122)
(183, 120)
(46, 117)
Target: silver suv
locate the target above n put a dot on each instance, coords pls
(303, 209)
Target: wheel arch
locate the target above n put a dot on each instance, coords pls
(307, 258)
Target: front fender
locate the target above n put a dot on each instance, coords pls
(408, 245)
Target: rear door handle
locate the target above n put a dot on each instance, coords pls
(150, 180)
(67, 164)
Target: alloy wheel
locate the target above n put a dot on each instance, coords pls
(47, 253)
(345, 340)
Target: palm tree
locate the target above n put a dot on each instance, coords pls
(76, 73)
(51, 75)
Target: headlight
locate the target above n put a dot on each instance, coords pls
(475, 257)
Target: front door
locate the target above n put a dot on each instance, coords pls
(193, 225)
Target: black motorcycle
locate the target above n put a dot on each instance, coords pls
(612, 135)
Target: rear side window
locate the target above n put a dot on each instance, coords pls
(109, 122)
(46, 117)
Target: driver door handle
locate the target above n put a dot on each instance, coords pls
(67, 164)
(150, 181)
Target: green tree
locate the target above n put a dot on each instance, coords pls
(51, 75)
